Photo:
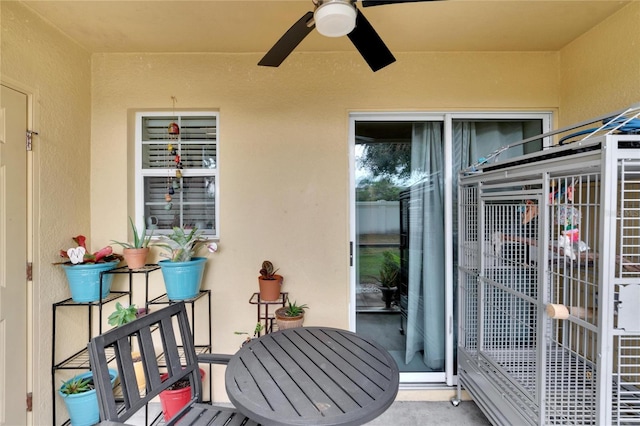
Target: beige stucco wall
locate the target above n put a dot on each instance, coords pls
(284, 166)
(57, 73)
(283, 153)
(600, 71)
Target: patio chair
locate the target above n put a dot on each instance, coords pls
(176, 356)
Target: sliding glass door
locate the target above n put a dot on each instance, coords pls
(404, 169)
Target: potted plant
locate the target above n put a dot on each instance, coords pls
(135, 253)
(290, 316)
(182, 271)
(122, 316)
(270, 283)
(389, 277)
(80, 398)
(175, 396)
(256, 333)
(85, 270)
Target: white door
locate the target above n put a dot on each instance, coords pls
(13, 257)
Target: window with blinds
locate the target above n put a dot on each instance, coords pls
(177, 172)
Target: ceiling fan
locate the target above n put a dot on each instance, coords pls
(336, 18)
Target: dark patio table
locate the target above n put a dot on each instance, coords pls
(312, 376)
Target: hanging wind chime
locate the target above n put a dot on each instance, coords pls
(172, 181)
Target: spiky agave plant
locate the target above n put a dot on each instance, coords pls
(182, 246)
(294, 310)
(140, 240)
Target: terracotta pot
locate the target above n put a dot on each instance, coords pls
(284, 321)
(270, 289)
(136, 258)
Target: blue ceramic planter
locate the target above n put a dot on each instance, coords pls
(182, 279)
(84, 281)
(83, 407)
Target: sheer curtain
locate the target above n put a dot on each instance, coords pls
(425, 313)
(425, 332)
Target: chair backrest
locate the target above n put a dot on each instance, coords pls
(157, 337)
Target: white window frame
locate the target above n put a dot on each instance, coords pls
(141, 173)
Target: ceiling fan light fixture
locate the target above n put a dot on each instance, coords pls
(335, 18)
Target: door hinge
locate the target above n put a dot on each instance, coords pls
(29, 271)
(30, 134)
(29, 402)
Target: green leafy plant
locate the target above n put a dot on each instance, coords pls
(123, 315)
(256, 332)
(267, 271)
(77, 385)
(140, 240)
(258, 328)
(390, 270)
(182, 246)
(294, 310)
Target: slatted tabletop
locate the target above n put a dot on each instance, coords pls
(312, 376)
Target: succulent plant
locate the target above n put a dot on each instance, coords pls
(123, 315)
(267, 271)
(77, 384)
(294, 310)
(183, 246)
(140, 240)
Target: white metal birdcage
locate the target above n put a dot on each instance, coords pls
(549, 283)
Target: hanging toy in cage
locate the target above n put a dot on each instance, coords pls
(569, 220)
(529, 211)
(560, 190)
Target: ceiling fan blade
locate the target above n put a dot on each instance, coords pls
(289, 41)
(370, 45)
(367, 3)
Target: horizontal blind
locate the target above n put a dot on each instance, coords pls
(192, 128)
(196, 144)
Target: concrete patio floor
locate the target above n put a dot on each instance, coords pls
(384, 324)
(401, 413)
(416, 413)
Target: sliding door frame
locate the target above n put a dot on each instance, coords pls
(447, 118)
